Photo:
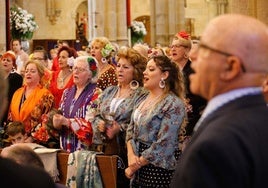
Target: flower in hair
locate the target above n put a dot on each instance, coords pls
(183, 34)
(92, 66)
(106, 51)
(70, 61)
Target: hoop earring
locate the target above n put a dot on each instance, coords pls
(134, 84)
(103, 60)
(162, 83)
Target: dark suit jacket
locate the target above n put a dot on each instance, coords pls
(230, 148)
(198, 103)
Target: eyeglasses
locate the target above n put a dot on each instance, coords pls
(177, 46)
(201, 45)
(79, 69)
(38, 58)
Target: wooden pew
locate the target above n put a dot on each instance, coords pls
(107, 166)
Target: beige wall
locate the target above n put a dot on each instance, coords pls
(2, 29)
(166, 16)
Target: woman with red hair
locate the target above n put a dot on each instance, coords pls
(8, 60)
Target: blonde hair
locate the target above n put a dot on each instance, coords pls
(42, 71)
(100, 40)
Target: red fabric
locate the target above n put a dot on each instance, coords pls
(85, 132)
(57, 93)
(55, 64)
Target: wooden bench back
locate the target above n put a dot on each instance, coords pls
(107, 166)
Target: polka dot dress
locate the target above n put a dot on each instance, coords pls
(150, 175)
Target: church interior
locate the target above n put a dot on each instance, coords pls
(79, 21)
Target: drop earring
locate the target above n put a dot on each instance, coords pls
(103, 60)
(162, 83)
(134, 84)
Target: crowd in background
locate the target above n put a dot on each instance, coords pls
(135, 102)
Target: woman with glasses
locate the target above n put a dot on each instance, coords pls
(77, 106)
(179, 53)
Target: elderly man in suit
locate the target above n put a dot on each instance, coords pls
(229, 145)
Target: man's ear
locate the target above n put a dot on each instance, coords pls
(233, 67)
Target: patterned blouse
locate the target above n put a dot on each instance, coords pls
(79, 136)
(121, 111)
(158, 128)
(31, 110)
(107, 78)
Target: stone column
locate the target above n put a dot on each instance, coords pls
(262, 11)
(161, 16)
(121, 27)
(222, 6)
(111, 20)
(176, 17)
(100, 18)
(212, 8)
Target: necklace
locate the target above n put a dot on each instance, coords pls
(61, 79)
(124, 95)
(143, 107)
(146, 104)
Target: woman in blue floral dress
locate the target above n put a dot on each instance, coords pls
(116, 104)
(153, 134)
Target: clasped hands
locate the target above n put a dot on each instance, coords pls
(110, 130)
(134, 164)
(59, 120)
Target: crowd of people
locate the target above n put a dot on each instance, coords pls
(191, 114)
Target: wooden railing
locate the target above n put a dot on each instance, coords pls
(107, 166)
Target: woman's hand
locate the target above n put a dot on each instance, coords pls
(129, 173)
(131, 170)
(113, 130)
(101, 126)
(59, 120)
(132, 159)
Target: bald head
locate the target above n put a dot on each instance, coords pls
(22, 154)
(242, 36)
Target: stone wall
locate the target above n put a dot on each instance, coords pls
(166, 17)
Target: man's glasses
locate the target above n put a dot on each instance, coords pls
(201, 45)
